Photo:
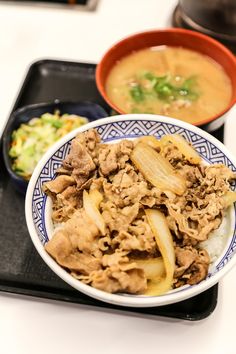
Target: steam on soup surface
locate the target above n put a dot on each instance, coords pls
(172, 81)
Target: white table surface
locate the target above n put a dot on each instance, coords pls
(36, 326)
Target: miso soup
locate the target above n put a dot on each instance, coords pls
(172, 81)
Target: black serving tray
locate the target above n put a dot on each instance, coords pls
(22, 271)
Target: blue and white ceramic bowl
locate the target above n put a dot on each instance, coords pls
(112, 129)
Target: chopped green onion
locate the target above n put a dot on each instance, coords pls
(137, 93)
(163, 88)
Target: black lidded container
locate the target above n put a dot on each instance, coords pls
(216, 18)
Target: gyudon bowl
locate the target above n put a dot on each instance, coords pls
(149, 222)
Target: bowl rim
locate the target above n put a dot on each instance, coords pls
(116, 299)
(169, 30)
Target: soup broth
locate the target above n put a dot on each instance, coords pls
(172, 81)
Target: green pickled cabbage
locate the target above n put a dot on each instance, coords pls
(30, 141)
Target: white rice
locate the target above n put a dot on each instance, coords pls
(218, 239)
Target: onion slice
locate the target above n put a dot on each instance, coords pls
(229, 198)
(96, 196)
(183, 146)
(92, 211)
(160, 229)
(157, 170)
(151, 141)
(153, 268)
